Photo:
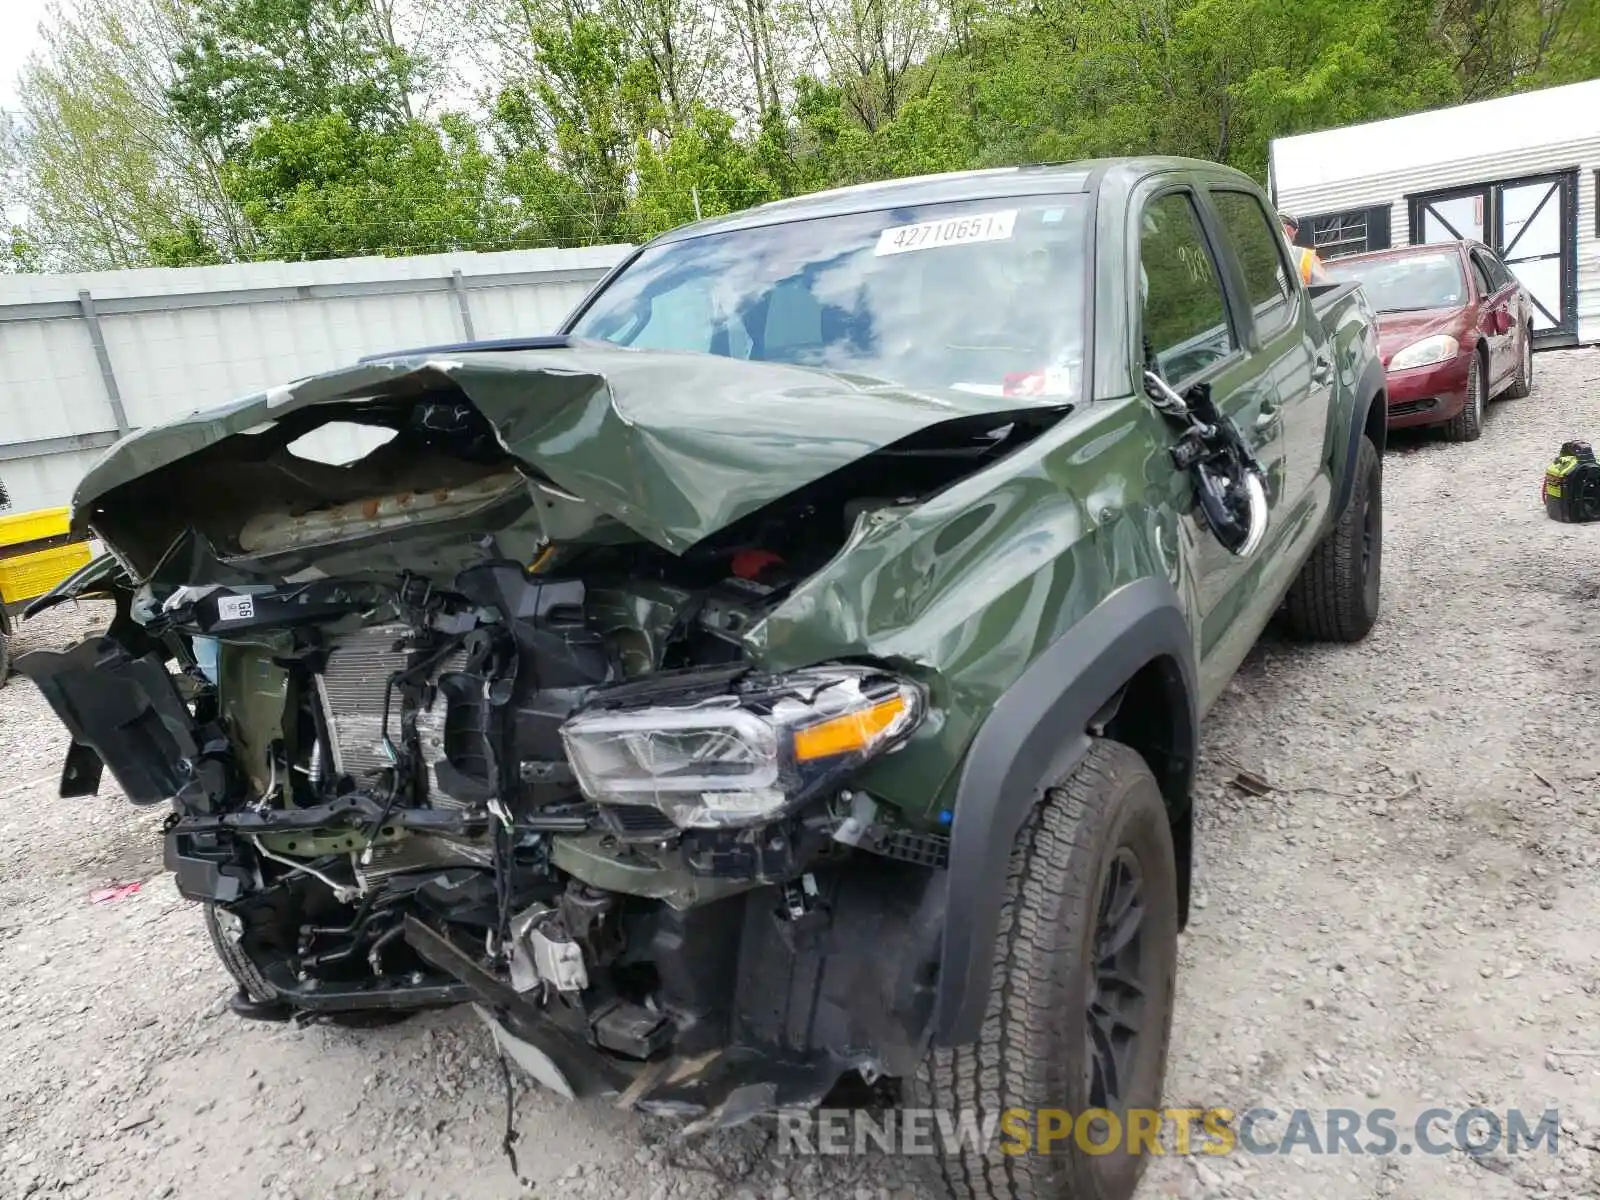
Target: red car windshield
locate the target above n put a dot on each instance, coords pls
(981, 296)
(1408, 284)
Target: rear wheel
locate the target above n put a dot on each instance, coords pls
(5, 649)
(1467, 425)
(1335, 597)
(1080, 1006)
(1522, 384)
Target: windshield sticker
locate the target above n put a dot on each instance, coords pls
(1054, 381)
(952, 231)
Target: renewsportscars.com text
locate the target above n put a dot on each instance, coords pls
(1179, 1131)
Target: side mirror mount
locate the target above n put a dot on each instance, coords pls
(1229, 485)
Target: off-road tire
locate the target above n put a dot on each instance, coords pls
(238, 964)
(1335, 596)
(1033, 1052)
(1522, 382)
(1467, 425)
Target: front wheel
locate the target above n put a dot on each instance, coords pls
(1080, 1006)
(1467, 425)
(224, 929)
(256, 998)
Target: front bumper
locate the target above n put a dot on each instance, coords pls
(756, 1007)
(1428, 395)
(722, 1087)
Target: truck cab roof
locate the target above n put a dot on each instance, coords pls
(1088, 175)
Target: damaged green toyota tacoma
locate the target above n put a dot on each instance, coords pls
(787, 677)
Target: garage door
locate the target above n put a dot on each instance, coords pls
(1531, 224)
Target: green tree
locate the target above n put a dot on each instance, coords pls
(101, 164)
(1269, 68)
(568, 134)
(313, 101)
(758, 50)
(1214, 79)
(15, 251)
(871, 51)
(321, 187)
(191, 131)
(1497, 46)
(704, 165)
(247, 62)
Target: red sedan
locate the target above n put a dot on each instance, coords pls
(1454, 330)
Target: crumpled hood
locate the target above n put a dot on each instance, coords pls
(675, 446)
(1397, 330)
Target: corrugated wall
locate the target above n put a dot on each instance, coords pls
(1394, 186)
(178, 340)
(1589, 246)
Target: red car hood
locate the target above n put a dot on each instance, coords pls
(1397, 330)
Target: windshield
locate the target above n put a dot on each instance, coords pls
(981, 296)
(1405, 284)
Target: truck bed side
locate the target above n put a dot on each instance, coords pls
(1358, 406)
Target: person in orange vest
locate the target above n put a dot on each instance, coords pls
(1309, 264)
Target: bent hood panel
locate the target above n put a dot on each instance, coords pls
(1397, 330)
(674, 446)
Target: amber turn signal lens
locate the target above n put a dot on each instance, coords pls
(850, 732)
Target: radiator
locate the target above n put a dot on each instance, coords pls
(352, 687)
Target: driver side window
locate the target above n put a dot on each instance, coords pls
(680, 319)
(1499, 274)
(686, 318)
(1496, 271)
(1481, 278)
(1183, 315)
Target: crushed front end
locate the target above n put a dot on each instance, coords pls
(435, 729)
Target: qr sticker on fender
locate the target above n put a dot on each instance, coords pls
(952, 231)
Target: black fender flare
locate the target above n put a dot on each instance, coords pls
(1368, 390)
(1038, 732)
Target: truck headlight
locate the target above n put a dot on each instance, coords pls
(747, 757)
(1437, 349)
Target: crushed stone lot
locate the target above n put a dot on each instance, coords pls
(1410, 919)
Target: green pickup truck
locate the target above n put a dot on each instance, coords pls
(786, 678)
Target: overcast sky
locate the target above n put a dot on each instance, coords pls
(19, 37)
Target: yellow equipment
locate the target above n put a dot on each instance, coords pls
(37, 551)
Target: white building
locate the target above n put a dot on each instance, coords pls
(1518, 174)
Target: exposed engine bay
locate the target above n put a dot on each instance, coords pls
(436, 730)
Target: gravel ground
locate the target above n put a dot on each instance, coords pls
(1410, 919)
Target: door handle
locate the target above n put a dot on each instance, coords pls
(1267, 417)
(1322, 369)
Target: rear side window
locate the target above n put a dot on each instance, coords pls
(1257, 242)
(1184, 317)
